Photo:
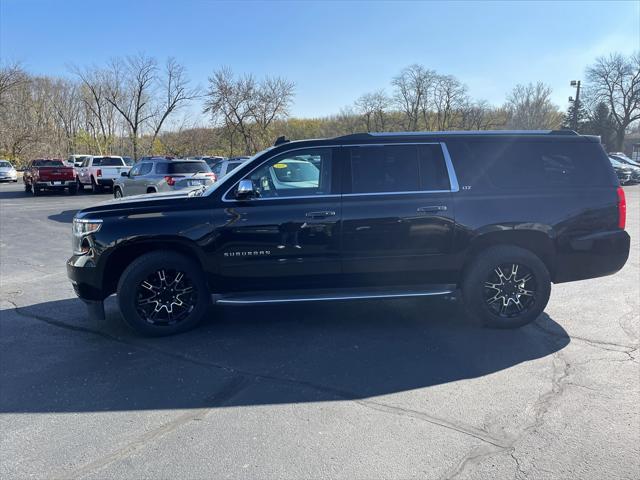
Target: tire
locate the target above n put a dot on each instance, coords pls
(145, 309)
(79, 185)
(72, 189)
(525, 291)
(15, 181)
(151, 190)
(117, 193)
(95, 188)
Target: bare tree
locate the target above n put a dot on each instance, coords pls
(373, 108)
(529, 107)
(11, 76)
(412, 88)
(449, 96)
(247, 107)
(477, 115)
(99, 115)
(615, 80)
(175, 92)
(131, 86)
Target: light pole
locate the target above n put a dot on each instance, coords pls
(576, 105)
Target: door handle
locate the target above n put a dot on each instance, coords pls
(432, 208)
(323, 214)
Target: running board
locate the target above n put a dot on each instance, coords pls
(320, 295)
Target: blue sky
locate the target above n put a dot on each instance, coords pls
(333, 51)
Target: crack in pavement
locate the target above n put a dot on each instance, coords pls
(541, 406)
(340, 394)
(594, 343)
(229, 390)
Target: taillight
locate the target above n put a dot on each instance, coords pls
(213, 176)
(170, 180)
(622, 209)
(99, 173)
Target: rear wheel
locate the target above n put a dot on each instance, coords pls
(95, 187)
(163, 293)
(506, 287)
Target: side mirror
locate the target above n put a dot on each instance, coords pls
(124, 174)
(245, 189)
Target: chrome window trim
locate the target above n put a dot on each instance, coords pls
(453, 179)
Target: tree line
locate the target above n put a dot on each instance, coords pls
(131, 106)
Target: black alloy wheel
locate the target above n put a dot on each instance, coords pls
(165, 297)
(510, 290)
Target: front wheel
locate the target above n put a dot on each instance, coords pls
(506, 287)
(117, 193)
(79, 185)
(163, 293)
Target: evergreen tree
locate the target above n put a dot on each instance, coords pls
(602, 123)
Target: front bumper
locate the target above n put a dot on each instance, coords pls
(7, 177)
(85, 277)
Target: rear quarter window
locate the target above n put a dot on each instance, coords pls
(522, 165)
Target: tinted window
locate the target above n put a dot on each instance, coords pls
(294, 174)
(48, 163)
(107, 162)
(182, 167)
(398, 168)
(233, 165)
(216, 168)
(521, 164)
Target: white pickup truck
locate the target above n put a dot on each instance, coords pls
(99, 172)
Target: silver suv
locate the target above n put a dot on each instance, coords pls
(225, 165)
(153, 175)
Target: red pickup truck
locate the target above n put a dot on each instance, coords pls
(49, 175)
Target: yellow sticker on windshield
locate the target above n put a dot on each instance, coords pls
(280, 165)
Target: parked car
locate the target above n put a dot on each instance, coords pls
(621, 157)
(45, 174)
(100, 172)
(76, 160)
(161, 175)
(497, 215)
(8, 172)
(128, 161)
(223, 166)
(623, 172)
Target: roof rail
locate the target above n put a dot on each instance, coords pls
(356, 136)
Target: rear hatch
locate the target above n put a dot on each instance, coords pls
(186, 174)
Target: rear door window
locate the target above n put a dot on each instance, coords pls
(398, 169)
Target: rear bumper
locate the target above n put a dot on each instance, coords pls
(591, 256)
(105, 182)
(55, 184)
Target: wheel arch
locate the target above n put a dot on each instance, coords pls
(537, 242)
(121, 257)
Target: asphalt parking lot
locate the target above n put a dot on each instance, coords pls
(376, 389)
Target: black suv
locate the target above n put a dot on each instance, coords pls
(497, 215)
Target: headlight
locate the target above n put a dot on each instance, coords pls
(81, 229)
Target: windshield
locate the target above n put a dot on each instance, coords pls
(48, 163)
(107, 162)
(5, 165)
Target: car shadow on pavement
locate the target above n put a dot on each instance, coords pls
(56, 360)
(9, 194)
(65, 216)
